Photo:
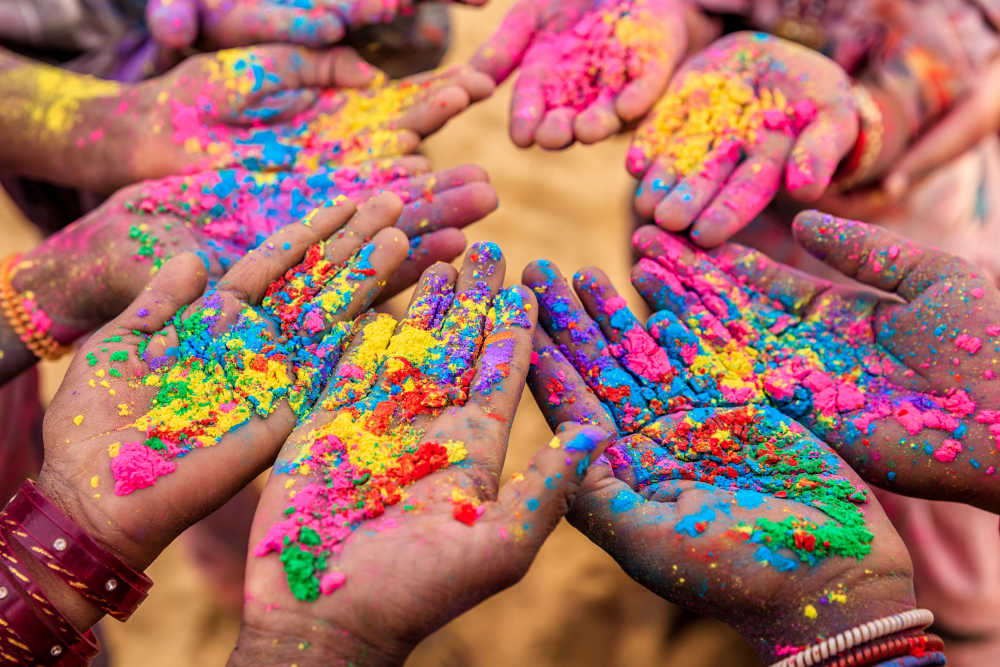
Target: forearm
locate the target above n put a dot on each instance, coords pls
(57, 125)
(312, 644)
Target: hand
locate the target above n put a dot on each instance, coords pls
(220, 215)
(727, 507)
(900, 385)
(737, 118)
(274, 108)
(586, 66)
(170, 409)
(214, 24)
(390, 488)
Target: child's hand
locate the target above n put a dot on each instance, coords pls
(214, 24)
(902, 386)
(390, 489)
(279, 108)
(745, 114)
(712, 499)
(170, 409)
(587, 66)
(220, 215)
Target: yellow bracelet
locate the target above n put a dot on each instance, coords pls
(40, 343)
(872, 130)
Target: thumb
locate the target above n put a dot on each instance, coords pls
(173, 23)
(535, 500)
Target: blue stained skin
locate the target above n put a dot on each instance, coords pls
(687, 525)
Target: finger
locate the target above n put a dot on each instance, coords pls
(537, 499)
(695, 190)
(527, 106)
(432, 298)
(746, 193)
(499, 55)
(178, 283)
(656, 184)
(355, 373)
(248, 24)
(556, 129)
(432, 111)
(173, 23)
(597, 122)
(638, 97)
(967, 123)
(451, 208)
(582, 342)
(818, 151)
(273, 107)
(252, 274)
(874, 256)
(560, 392)
(425, 251)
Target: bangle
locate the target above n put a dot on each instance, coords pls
(858, 165)
(887, 648)
(29, 327)
(58, 543)
(31, 625)
(862, 634)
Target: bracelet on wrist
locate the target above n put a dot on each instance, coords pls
(26, 317)
(842, 643)
(59, 544)
(860, 162)
(32, 630)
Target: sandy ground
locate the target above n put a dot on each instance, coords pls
(575, 606)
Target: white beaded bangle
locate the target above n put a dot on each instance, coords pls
(856, 636)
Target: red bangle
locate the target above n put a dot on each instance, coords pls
(888, 648)
(59, 544)
(31, 628)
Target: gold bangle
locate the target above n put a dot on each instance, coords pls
(873, 131)
(40, 343)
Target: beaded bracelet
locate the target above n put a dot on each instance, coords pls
(59, 544)
(887, 648)
(862, 634)
(38, 342)
(31, 626)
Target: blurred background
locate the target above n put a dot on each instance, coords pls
(575, 606)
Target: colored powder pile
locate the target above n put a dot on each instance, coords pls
(714, 115)
(232, 211)
(342, 126)
(220, 374)
(370, 444)
(596, 58)
(703, 408)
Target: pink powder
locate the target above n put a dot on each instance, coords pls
(970, 344)
(644, 357)
(948, 451)
(977, 292)
(331, 582)
(959, 403)
(138, 467)
(313, 322)
(992, 330)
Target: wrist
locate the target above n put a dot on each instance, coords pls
(306, 643)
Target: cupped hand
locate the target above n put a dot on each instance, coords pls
(384, 517)
(171, 408)
(745, 115)
(899, 381)
(586, 66)
(273, 107)
(220, 215)
(214, 24)
(708, 496)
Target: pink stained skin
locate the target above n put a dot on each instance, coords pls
(85, 420)
(214, 24)
(586, 66)
(115, 255)
(415, 566)
(799, 149)
(906, 394)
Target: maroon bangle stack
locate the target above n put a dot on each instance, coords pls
(31, 629)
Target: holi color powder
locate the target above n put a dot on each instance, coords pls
(370, 444)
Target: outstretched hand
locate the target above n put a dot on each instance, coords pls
(709, 497)
(586, 66)
(171, 408)
(902, 385)
(745, 115)
(384, 517)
